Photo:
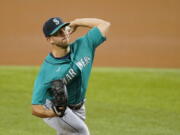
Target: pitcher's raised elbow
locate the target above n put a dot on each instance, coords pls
(108, 24)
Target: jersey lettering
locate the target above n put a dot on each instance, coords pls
(83, 62)
(69, 76)
(80, 65)
(72, 73)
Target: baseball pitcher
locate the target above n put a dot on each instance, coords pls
(60, 88)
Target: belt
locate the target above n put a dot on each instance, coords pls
(76, 106)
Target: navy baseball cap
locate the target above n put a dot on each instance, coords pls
(52, 25)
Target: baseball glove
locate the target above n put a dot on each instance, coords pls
(59, 91)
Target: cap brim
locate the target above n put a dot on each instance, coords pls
(58, 28)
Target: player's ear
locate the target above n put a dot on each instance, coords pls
(50, 40)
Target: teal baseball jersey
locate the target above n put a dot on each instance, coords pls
(74, 70)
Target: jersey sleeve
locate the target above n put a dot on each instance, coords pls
(94, 37)
(39, 92)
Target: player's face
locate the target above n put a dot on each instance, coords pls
(60, 38)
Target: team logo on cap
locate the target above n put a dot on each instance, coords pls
(56, 21)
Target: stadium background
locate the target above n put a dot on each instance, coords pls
(144, 33)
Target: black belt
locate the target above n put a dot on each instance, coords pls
(76, 106)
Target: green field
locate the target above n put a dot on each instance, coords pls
(120, 101)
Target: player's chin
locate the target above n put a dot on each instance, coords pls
(63, 45)
(66, 41)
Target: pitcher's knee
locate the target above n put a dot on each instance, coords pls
(84, 130)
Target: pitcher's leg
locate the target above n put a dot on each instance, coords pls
(69, 124)
(76, 122)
